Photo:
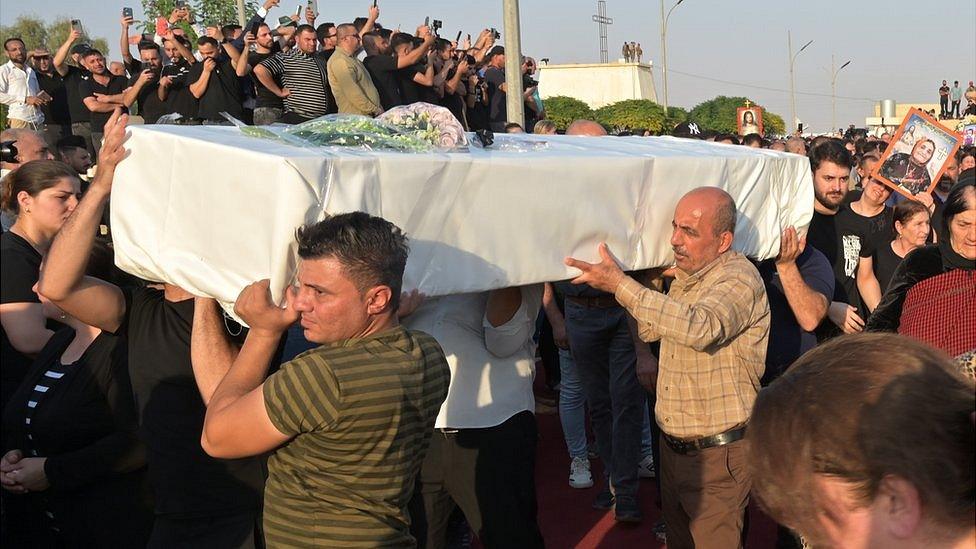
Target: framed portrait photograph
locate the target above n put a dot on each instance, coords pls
(749, 120)
(969, 135)
(917, 154)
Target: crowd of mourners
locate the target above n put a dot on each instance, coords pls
(833, 382)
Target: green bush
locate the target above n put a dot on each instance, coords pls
(719, 115)
(633, 115)
(564, 110)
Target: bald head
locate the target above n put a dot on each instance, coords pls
(703, 227)
(585, 127)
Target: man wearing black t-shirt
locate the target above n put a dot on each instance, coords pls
(415, 77)
(495, 77)
(73, 76)
(201, 502)
(383, 63)
(214, 83)
(839, 237)
(101, 93)
(144, 85)
(56, 115)
(174, 88)
(269, 106)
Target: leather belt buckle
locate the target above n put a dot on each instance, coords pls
(685, 447)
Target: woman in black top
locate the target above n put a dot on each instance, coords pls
(71, 454)
(876, 266)
(42, 193)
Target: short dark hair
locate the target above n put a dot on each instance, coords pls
(13, 39)
(32, 178)
(359, 23)
(400, 39)
(305, 28)
(372, 250)
(441, 44)
(322, 32)
(71, 141)
(961, 198)
(148, 45)
(207, 40)
(751, 138)
(227, 31)
(91, 52)
(370, 43)
(831, 150)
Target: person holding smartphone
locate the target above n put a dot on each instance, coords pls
(19, 89)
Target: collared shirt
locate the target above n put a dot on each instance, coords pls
(713, 326)
(492, 367)
(16, 85)
(353, 88)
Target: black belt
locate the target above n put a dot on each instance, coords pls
(682, 446)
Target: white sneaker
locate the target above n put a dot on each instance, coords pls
(645, 469)
(579, 473)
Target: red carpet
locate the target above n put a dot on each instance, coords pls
(568, 521)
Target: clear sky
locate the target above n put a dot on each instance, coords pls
(900, 49)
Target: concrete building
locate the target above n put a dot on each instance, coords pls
(598, 84)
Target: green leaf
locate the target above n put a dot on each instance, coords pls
(718, 115)
(564, 110)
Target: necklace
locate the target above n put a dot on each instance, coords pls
(19, 231)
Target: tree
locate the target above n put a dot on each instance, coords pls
(719, 115)
(564, 110)
(206, 12)
(632, 115)
(36, 33)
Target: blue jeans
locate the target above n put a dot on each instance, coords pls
(606, 362)
(572, 406)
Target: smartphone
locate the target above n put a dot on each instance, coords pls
(180, 4)
(374, 3)
(126, 12)
(298, 11)
(427, 21)
(314, 6)
(43, 96)
(458, 39)
(76, 25)
(254, 29)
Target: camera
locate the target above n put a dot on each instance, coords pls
(495, 34)
(436, 26)
(8, 152)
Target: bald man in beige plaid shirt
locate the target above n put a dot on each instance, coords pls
(713, 326)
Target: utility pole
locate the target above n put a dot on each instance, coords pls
(789, 43)
(241, 16)
(664, 47)
(514, 104)
(833, 91)
(603, 20)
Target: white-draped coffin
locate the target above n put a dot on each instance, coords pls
(211, 210)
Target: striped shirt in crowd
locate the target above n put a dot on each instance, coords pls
(305, 78)
(713, 326)
(362, 412)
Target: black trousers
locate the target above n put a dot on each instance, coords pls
(237, 531)
(944, 104)
(490, 474)
(293, 118)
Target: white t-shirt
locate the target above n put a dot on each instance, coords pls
(492, 368)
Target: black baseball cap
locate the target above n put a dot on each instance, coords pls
(81, 49)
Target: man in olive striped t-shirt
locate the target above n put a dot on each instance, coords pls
(349, 421)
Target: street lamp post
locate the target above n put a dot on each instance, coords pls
(833, 91)
(514, 102)
(664, 47)
(789, 41)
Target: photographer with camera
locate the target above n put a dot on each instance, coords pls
(19, 89)
(384, 63)
(19, 146)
